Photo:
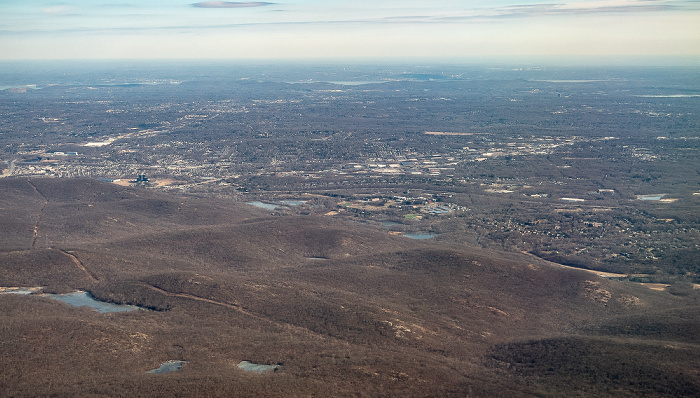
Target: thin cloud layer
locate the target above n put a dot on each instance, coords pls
(316, 28)
(545, 9)
(230, 4)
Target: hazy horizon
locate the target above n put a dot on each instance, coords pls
(664, 31)
(495, 62)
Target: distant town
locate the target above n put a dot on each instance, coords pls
(557, 170)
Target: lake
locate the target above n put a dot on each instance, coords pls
(260, 204)
(256, 367)
(167, 367)
(658, 196)
(85, 299)
(419, 235)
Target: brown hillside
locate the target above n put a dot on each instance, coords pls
(346, 310)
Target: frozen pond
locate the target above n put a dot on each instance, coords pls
(263, 205)
(75, 299)
(280, 204)
(168, 366)
(658, 196)
(420, 235)
(85, 299)
(256, 367)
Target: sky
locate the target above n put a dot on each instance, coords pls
(349, 29)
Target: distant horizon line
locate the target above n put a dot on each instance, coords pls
(553, 60)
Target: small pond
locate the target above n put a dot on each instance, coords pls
(419, 235)
(651, 197)
(168, 366)
(256, 367)
(263, 205)
(75, 299)
(85, 299)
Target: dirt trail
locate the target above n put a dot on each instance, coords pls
(41, 212)
(205, 300)
(243, 311)
(80, 265)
